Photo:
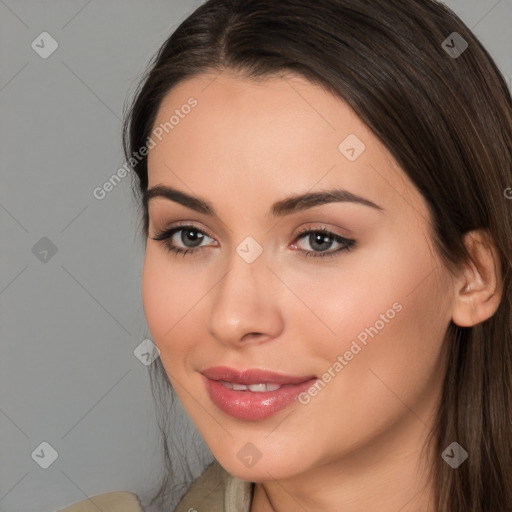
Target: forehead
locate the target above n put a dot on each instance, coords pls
(286, 107)
(280, 135)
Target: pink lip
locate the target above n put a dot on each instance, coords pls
(251, 376)
(248, 405)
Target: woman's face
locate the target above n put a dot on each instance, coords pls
(358, 311)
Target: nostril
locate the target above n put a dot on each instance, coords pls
(251, 335)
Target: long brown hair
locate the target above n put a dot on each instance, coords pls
(447, 120)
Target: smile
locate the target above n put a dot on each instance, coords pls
(253, 394)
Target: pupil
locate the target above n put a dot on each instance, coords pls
(319, 241)
(193, 236)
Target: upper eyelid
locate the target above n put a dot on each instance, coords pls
(321, 228)
(224, 228)
(177, 227)
(172, 230)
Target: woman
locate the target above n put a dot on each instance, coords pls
(328, 243)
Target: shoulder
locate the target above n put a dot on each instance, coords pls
(216, 490)
(117, 501)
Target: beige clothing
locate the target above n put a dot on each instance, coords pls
(118, 501)
(217, 491)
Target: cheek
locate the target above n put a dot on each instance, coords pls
(389, 314)
(395, 292)
(170, 296)
(385, 309)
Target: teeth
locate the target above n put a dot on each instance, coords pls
(272, 387)
(255, 388)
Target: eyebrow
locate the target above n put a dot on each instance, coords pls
(280, 208)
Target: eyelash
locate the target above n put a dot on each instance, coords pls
(165, 236)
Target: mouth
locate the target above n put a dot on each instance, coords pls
(253, 394)
(255, 388)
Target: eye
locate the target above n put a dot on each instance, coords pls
(187, 239)
(189, 236)
(321, 240)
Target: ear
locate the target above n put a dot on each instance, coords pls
(479, 288)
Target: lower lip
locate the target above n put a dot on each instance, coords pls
(253, 406)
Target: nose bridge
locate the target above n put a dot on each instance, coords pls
(244, 302)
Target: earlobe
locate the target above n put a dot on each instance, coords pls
(478, 291)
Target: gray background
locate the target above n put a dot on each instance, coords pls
(69, 325)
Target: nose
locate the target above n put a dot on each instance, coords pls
(245, 304)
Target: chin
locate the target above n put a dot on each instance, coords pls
(264, 469)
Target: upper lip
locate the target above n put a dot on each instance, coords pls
(252, 376)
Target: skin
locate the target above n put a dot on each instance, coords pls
(356, 445)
